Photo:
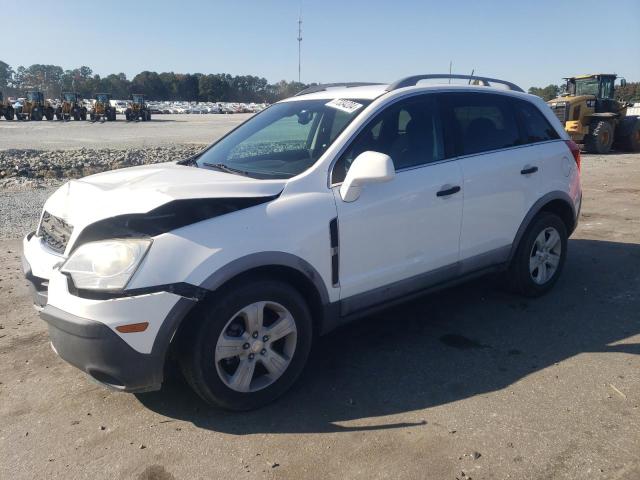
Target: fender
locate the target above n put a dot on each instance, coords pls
(534, 210)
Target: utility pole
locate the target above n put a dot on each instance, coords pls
(299, 44)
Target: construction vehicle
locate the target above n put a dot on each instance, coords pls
(35, 107)
(137, 109)
(71, 107)
(102, 108)
(6, 110)
(593, 117)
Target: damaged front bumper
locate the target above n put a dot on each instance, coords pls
(84, 331)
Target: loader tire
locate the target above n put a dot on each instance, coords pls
(630, 142)
(601, 137)
(8, 113)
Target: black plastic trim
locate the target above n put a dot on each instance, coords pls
(335, 252)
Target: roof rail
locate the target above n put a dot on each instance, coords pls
(322, 87)
(414, 79)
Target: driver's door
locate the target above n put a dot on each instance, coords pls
(402, 235)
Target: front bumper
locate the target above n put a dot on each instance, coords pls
(84, 331)
(95, 349)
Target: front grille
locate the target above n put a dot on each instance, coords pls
(560, 109)
(55, 232)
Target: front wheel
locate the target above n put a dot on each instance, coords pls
(600, 139)
(248, 346)
(540, 256)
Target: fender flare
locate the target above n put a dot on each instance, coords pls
(534, 210)
(267, 259)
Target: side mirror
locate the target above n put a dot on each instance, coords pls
(368, 167)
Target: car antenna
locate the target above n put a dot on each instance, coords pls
(472, 70)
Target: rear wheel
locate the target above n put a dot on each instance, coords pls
(83, 113)
(631, 141)
(601, 137)
(36, 114)
(248, 346)
(9, 113)
(540, 256)
(48, 113)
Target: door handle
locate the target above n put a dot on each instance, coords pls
(528, 170)
(448, 191)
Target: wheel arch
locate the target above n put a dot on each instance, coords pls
(286, 267)
(558, 203)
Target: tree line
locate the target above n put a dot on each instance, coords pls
(52, 80)
(629, 93)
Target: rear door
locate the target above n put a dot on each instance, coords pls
(500, 174)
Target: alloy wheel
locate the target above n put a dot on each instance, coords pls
(545, 255)
(256, 346)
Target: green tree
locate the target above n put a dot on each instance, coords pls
(6, 75)
(547, 93)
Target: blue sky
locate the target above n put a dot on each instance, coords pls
(530, 43)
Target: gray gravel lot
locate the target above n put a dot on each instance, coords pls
(470, 383)
(161, 130)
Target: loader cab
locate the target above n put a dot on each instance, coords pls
(71, 97)
(137, 99)
(36, 98)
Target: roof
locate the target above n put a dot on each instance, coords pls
(589, 75)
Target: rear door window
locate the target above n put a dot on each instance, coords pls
(482, 122)
(535, 127)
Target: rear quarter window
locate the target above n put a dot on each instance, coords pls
(535, 127)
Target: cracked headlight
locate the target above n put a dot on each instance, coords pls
(105, 265)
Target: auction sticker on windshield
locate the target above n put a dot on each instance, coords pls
(348, 106)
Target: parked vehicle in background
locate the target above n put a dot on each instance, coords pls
(71, 107)
(120, 106)
(137, 109)
(34, 107)
(592, 116)
(102, 108)
(326, 206)
(6, 109)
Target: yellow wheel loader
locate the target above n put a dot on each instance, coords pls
(137, 109)
(35, 107)
(102, 108)
(6, 110)
(71, 107)
(593, 117)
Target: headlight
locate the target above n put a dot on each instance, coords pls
(105, 265)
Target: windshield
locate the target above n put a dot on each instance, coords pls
(283, 140)
(138, 99)
(587, 86)
(70, 97)
(102, 97)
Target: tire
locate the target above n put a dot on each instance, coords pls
(631, 141)
(92, 117)
(48, 113)
(212, 378)
(521, 277)
(8, 113)
(601, 137)
(36, 114)
(75, 113)
(83, 113)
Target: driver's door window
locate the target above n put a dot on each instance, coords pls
(408, 131)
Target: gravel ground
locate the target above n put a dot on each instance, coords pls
(44, 167)
(472, 383)
(161, 130)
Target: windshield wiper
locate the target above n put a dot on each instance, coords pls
(225, 168)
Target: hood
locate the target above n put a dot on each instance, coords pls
(142, 189)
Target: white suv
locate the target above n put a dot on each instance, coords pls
(317, 210)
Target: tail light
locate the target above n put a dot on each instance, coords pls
(575, 151)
